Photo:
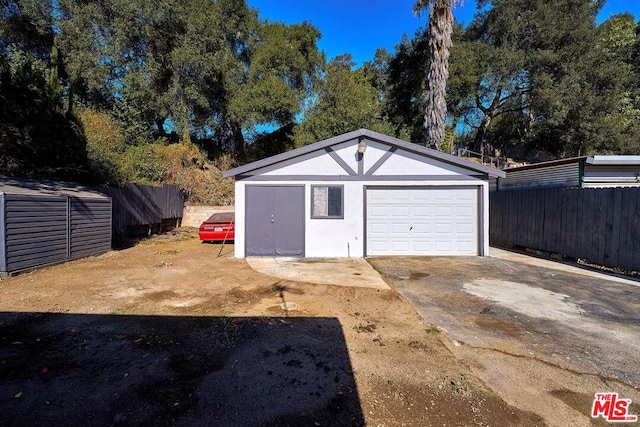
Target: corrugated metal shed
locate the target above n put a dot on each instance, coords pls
(563, 173)
(45, 222)
(595, 171)
(611, 176)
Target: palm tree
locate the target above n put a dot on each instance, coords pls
(440, 31)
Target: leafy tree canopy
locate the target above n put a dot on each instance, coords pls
(152, 80)
(346, 101)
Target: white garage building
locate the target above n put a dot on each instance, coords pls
(362, 194)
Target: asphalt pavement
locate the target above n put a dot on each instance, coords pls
(558, 313)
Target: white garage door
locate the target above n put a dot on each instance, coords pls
(422, 221)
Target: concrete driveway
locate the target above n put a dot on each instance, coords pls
(324, 271)
(520, 320)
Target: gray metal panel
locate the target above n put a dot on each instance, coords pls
(3, 240)
(90, 227)
(493, 183)
(46, 229)
(370, 135)
(31, 187)
(611, 176)
(613, 160)
(546, 164)
(274, 220)
(289, 223)
(558, 175)
(35, 230)
(259, 230)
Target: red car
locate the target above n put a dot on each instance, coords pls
(219, 227)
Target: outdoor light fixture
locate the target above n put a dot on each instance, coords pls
(362, 146)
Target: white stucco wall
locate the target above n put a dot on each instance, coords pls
(405, 163)
(317, 163)
(346, 237)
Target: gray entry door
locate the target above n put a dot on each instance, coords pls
(274, 220)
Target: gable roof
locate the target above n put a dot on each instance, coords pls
(374, 136)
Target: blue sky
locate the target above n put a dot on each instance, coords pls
(360, 27)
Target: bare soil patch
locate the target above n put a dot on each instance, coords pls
(168, 333)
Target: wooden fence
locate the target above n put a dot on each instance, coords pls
(599, 225)
(144, 209)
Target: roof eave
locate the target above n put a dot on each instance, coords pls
(549, 163)
(613, 160)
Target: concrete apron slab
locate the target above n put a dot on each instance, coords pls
(324, 271)
(565, 267)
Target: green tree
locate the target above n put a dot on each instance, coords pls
(617, 41)
(282, 72)
(532, 73)
(575, 86)
(28, 26)
(488, 79)
(37, 138)
(105, 147)
(346, 101)
(196, 67)
(406, 78)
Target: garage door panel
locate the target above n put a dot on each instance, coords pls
(377, 197)
(378, 212)
(379, 245)
(445, 211)
(422, 246)
(399, 196)
(443, 228)
(400, 211)
(401, 228)
(400, 246)
(466, 196)
(466, 211)
(423, 195)
(378, 229)
(465, 247)
(465, 229)
(443, 196)
(422, 221)
(445, 246)
(421, 211)
(422, 228)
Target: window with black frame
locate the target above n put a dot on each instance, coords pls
(327, 201)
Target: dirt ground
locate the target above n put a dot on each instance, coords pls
(167, 333)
